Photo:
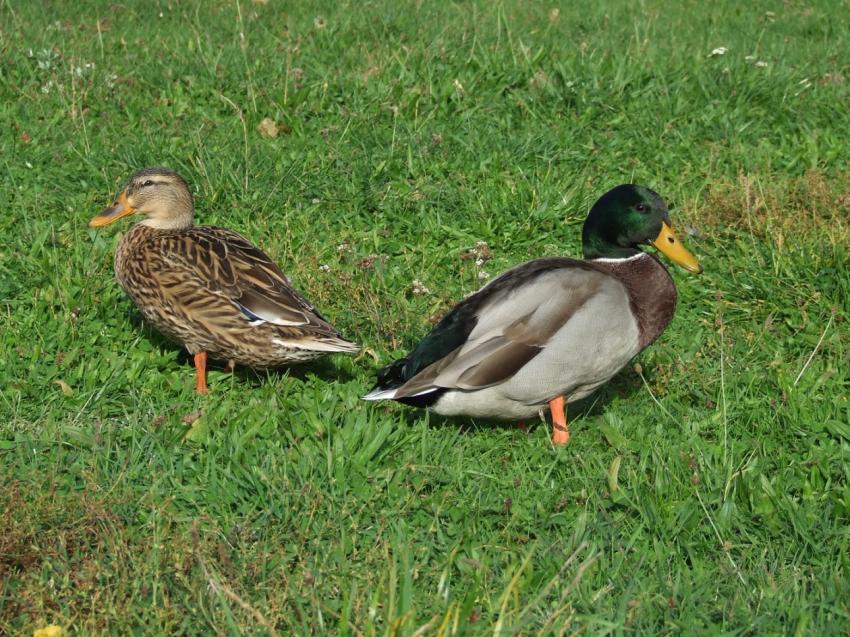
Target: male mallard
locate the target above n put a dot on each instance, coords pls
(551, 329)
(210, 288)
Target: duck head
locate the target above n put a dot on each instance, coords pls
(627, 217)
(159, 194)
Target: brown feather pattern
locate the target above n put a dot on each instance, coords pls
(195, 285)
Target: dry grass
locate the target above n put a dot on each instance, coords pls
(782, 210)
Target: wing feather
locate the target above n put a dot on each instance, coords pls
(513, 324)
(216, 263)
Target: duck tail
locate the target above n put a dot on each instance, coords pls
(344, 345)
(390, 378)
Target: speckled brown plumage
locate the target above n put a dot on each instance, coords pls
(209, 288)
(190, 284)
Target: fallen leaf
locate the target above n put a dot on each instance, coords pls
(613, 474)
(25, 137)
(48, 631)
(191, 418)
(65, 387)
(198, 427)
(268, 128)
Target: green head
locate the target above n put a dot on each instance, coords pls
(627, 217)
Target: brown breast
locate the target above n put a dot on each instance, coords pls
(652, 294)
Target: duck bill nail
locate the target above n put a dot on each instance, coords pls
(669, 245)
(121, 208)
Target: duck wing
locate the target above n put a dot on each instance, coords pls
(207, 262)
(492, 335)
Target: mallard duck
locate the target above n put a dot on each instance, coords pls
(552, 330)
(209, 288)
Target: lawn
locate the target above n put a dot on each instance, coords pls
(706, 489)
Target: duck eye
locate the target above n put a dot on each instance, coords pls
(148, 182)
(641, 207)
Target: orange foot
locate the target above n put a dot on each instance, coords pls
(201, 373)
(560, 430)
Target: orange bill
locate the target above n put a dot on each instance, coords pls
(670, 246)
(121, 208)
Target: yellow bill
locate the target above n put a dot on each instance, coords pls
(669, 245)
(121, 208)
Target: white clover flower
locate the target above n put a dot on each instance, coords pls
(749, 58)
(418, 288)
(480, 252)
(721, 50)
(483, 276)
(47, 59)
(325, 268)
(761, 64)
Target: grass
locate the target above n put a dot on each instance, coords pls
(705, 491)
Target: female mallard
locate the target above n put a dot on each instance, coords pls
(550, 330)
(208, 288)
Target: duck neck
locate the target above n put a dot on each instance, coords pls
(652, 294)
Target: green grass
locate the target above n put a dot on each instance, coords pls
(705, 492)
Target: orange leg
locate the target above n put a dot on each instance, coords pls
(560, 430)
(201, 373)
